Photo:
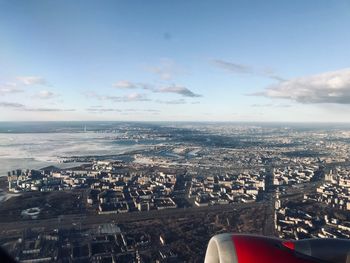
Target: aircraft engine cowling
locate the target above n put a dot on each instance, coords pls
(232, 248)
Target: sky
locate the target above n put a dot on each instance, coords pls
(185, 60)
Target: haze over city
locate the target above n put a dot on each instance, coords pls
(177, 61)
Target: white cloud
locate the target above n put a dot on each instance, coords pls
(166, 70)
(9, 88)
(171, 102)
(135, 96)
(329, 87)
(42, 109)
(32, 80)
(46, 94)
(124, 84)
(17, 85)
(126, 98)
(266, 105)
(101, 110)
(129, 97)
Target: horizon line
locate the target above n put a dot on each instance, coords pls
(178, 121)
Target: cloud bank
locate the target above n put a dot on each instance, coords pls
(329, 87)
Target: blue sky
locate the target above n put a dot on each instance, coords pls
(175, 60)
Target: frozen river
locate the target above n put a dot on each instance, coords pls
(37, 150)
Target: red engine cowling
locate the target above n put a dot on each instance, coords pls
(232, 248)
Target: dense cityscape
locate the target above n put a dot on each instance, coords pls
(189, 182)
(174, 131)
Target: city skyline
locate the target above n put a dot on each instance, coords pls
(167, 61)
